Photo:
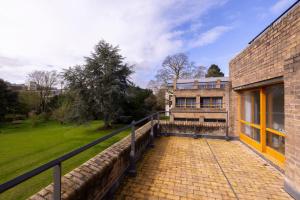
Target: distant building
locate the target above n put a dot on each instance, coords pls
(32, 86)
(16, 87)
(203, 100)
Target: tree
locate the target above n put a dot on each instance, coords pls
(100, 85)
(45, 81)
(173, 67)
(29, 100)
(199, 72)
(8, 100)
(214, 71)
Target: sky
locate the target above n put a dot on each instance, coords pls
(58, 34)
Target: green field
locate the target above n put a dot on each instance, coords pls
(23, 148)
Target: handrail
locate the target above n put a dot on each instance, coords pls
(56, 163)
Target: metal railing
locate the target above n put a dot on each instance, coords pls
(56, 164)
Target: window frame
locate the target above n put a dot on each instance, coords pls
(262, 146)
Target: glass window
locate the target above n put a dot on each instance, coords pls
(211, 102)
(205, 102)
(275, 107)
(217, 102)
(180, 102)
(250, 106)
(182, 86)
(252, 132)
(191, 102)
(276, 142)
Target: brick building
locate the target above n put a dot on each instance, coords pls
(203, 100)
(265, 99)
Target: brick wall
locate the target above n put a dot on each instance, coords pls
(93, 179)
(292, 124)
(275, 54)
(190, 128)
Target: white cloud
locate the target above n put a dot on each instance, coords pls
(281, 5)
(209, 36)
(35, 34)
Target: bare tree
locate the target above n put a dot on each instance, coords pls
(45, 81)
(176, 66)
(199, 72)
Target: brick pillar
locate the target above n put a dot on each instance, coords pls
(196, 84)
(197, 101)
(233, 114)
(292, 125)
(218, 83)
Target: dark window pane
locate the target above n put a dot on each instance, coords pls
(251, 132)
(275, 107)
(276, 142)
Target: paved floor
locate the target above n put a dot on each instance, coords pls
(186, 168)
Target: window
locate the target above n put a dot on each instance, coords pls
(251, 132)
(189, 102)
(211, 102)
(223, 85)
(275, 107)
(180, 102)
(276, 142)
(250, 106)
(214, 120)
(186, 119)
(262, 120)
(182, 86)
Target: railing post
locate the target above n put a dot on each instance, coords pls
(158, 122)
(151, 134)
(57, 182)
(227, 126)
(132, 167)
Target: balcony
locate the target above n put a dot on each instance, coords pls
(201, 86)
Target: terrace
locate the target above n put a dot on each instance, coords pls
(150, 164)
(185, 168)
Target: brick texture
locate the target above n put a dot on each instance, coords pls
(185, 168)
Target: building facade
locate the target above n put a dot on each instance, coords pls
(265, 97)
(202, 100)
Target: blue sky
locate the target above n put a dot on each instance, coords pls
(57, 34)
(246, 19)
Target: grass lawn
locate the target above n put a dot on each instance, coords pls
(23, 148)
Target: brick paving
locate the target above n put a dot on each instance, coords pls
(186, 168)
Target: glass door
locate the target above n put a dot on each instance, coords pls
(261, 118)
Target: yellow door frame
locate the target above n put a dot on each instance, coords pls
(260, 146)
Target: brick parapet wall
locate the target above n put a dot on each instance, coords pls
(93, 179)
(213, 129)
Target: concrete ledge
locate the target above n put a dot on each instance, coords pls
(291, 190)
(97, 178)
(192, 135)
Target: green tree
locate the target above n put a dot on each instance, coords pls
(29, 101)
(137, 103)
(8, 100)
(100, 85)
(214, 71)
